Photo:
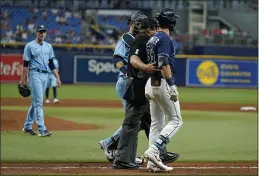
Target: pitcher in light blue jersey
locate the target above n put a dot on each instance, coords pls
(52, 82)
(38, 61)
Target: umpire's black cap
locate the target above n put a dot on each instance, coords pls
(41, 28)
(150, 22)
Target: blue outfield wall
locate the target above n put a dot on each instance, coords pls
(195, 72)
(99, 69)
(191, 70)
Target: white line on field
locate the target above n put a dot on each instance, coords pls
(83, 167)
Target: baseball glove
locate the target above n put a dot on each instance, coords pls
(24, 90)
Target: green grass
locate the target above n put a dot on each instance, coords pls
(70, 92)
(203, 95)
(204, 136)
(218, 95)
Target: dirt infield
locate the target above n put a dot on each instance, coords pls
(13, 120)
(106, 169)
(117, 104)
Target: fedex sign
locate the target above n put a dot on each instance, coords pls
(11, 67)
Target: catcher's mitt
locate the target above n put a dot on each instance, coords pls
(24, 90)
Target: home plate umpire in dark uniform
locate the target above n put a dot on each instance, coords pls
(137, 106)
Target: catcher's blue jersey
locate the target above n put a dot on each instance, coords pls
(122, 49)
(161, 45)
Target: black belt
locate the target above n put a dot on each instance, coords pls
(157, 77)
(39, 70)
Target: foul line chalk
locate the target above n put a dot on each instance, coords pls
(177, 167)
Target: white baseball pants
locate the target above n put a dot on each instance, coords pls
(160, 107)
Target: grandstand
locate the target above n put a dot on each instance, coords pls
(84, 22)
(23, 21)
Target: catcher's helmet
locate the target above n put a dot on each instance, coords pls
(136, 19)
(167, 18)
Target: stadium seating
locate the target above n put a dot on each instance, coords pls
(25, 16)
(67, 27)
(120, 22)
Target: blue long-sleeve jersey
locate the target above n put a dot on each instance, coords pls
(161, 45)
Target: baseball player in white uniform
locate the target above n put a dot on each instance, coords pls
(162, 91)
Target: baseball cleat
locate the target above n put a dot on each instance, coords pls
(29, 131)
(153, 155)
(152, 167)
(123, 165)
(108, 153)
(47, 101)
(55, 100)
(44, 133)
(139, 160)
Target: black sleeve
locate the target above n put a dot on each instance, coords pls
(25, 63)
(51, 64)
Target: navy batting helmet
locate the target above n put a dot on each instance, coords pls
(167, 18)
(136, 19)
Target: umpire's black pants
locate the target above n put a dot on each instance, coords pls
(127, 146)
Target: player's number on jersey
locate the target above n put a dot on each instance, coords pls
(150, 54)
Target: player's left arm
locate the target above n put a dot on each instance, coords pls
(56, 64)
(163, 48)
(163, 64)
(52, 66)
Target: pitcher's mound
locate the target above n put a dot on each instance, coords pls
(14, 120)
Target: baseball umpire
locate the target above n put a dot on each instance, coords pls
(136, 103)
